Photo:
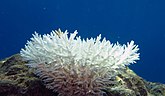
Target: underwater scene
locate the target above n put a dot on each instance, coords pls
(82, 48)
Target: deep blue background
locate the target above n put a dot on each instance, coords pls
(118, 20)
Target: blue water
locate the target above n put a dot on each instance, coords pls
(118, 20)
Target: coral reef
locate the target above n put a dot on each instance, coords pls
(70, 66)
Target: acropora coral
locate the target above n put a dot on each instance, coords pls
(73, 66)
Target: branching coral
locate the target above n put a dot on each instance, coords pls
(73, 66)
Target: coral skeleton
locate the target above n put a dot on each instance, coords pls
(73, 66)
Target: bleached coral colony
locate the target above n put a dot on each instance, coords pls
(73, 66)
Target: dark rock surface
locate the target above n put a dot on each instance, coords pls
(16, 79)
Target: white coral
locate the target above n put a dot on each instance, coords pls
(73, 66)
(94, 52)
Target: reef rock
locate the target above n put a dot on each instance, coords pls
(16, 79)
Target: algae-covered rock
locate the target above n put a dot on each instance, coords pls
(16, 79)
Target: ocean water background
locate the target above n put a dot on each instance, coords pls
(118, 20)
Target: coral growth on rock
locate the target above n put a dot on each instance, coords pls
(73, 66)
